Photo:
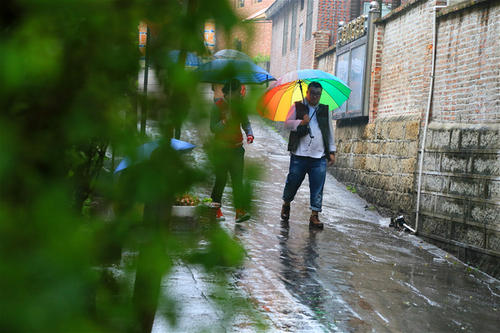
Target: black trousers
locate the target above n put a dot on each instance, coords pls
(229, 161)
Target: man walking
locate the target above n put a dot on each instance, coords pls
(312, 148)
(228, 152)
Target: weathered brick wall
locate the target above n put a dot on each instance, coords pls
(460, 203)
(406, 62)
(379, 160)
(467, 85)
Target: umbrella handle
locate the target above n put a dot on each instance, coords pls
(301, 92)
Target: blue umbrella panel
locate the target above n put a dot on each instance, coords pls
(145, 151)
(223, 70)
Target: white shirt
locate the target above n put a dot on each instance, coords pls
(310, 147)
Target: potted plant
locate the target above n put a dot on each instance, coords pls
(185, 205)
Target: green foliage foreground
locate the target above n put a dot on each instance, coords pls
(68, 97)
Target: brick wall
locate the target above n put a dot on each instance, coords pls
(467, 87)
(405, 62)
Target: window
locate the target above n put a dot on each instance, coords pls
(294, 26)
(241, 3)
(309, 23)
(285, 34)
(301, 4)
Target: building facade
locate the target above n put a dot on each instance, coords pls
(253, 37)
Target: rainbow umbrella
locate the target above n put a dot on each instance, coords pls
(292, 87)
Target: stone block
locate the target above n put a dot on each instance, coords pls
(412, 129)
(432, 162)
(470, 139)
(384, 183)
(395, 130)
(456, 163)
(388, 165)
(455, 139)
(464, 187)
(440, 139)
(371, 179)
(412, 149)
(358, 147)
(406, 184)
(347, 147)
(468, 234)
(381, 131)
(493, 189)
(408, 165)
(434, 183)
(401, 149)
(488, 165)
(489, 139)
(391, 148)
(369, 132)
(427, 203)
(350, 161)
(434, 226)
(451, 207)
(493, 241)
(373, 148)
(487, 214)
(359, 162)
(372, 163)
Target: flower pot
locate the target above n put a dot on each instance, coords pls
(184, 211)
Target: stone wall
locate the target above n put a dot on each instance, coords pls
(460, 197)
(379, 160)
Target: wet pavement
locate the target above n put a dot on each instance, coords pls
(356, 275)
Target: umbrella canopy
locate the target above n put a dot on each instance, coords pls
(192, 60)
(223, 70)
(292, 87)
(145, 151)
(231, 54)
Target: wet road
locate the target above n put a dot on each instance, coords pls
(356, 275)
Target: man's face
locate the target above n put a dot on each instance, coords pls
(313, 95)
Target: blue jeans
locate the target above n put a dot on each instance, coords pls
(299, 167)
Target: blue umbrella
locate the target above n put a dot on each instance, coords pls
(231, 54)
(223, 70)
(192, 60)
(144, 152)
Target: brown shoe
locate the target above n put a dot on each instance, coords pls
(285, 212)
(314, 222)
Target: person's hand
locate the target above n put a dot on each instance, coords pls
(332, 159)
(305, 120)
(249, 138)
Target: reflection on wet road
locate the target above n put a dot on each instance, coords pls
(356, 275)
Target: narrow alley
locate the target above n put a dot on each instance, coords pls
(356, 275)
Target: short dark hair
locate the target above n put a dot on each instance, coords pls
(315, 84)
(233, 85)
